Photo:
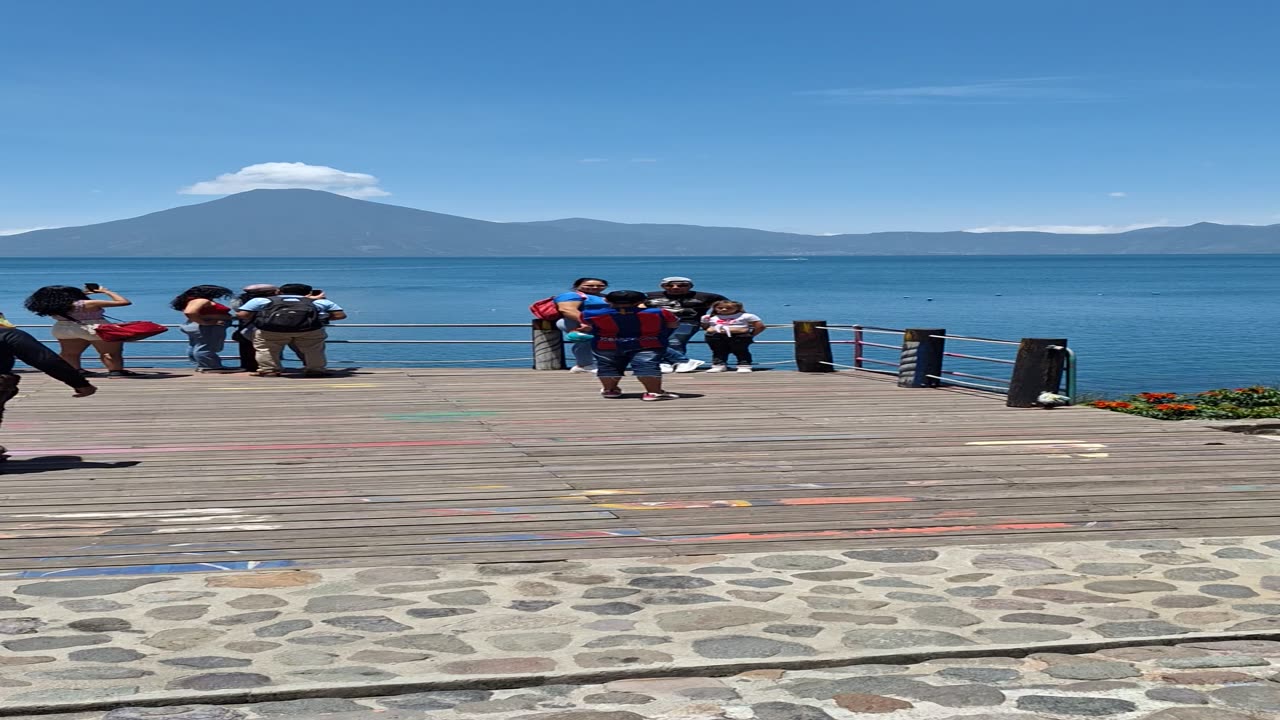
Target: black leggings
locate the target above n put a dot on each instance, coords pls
(721, 345)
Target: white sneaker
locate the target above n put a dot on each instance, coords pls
(689, 366)
(667, 368)
(581, 369)
(744, 368)
(717, 368)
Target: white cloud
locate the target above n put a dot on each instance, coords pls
(1118, 194)
(19, 231)
(1066, 229)
(589, 161)
(287, 175)
(1033, 89)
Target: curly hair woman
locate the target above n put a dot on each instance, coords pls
(76, 316)
(206, 325)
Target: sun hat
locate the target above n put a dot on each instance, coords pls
(675, 279)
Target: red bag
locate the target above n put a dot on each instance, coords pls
(127, 331)
(548, 309)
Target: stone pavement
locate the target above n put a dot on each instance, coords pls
(102, 642)
(1231, 680)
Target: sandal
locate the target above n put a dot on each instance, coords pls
(265, 373)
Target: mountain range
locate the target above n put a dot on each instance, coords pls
(312, 223)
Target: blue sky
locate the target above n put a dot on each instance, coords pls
(814, 116)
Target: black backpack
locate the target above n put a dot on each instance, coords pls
(285, 314)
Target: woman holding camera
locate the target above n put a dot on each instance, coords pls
(76, 315)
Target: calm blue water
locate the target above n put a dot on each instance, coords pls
(1166, 323)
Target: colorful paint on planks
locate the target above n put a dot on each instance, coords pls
(274, 446)
(762, 502)
(160, 569)
(572, 538)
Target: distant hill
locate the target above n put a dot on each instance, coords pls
(310, 223)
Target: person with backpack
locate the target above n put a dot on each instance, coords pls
(567, 311)
(296, 316)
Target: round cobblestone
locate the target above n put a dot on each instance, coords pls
(893, 555)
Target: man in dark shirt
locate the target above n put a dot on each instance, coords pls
(18, 345)
(678, 296)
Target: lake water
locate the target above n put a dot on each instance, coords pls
(1158, 323)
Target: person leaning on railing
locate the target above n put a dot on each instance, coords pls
(586, 295)
(298, 314)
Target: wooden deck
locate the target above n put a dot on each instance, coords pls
(165, 473)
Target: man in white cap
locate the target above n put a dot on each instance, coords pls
(678, 296)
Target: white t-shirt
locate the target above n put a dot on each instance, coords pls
(729, 322)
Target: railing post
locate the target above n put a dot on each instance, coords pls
(1037, 369)
(548, 346)
(857, 346)
(813, 346)
(921, 357)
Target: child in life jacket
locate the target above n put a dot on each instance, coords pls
(730, 330)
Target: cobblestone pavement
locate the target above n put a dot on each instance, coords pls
(238, 636)
(1194, 681)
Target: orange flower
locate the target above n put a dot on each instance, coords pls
(1111, 404)
(1152, 397)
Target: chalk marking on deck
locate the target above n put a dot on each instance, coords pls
(291, 446)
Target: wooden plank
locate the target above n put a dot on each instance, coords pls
(444, 465)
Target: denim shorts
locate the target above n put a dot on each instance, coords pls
(644, 363)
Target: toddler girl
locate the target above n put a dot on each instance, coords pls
(730, 330)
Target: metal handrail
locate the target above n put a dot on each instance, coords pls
(979, 357)
(862, 328)
(977, 339)
(970, 375)
(964, 383)
(861, 359)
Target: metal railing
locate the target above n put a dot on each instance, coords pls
(952, 375)
(867, 355)
(339, 341)
(860, 345)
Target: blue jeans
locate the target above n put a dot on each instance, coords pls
(644, 363)
(206, 341)
(678, 343)
(581, 350)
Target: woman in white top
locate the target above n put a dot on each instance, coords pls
(77, 315)
(730, 330)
